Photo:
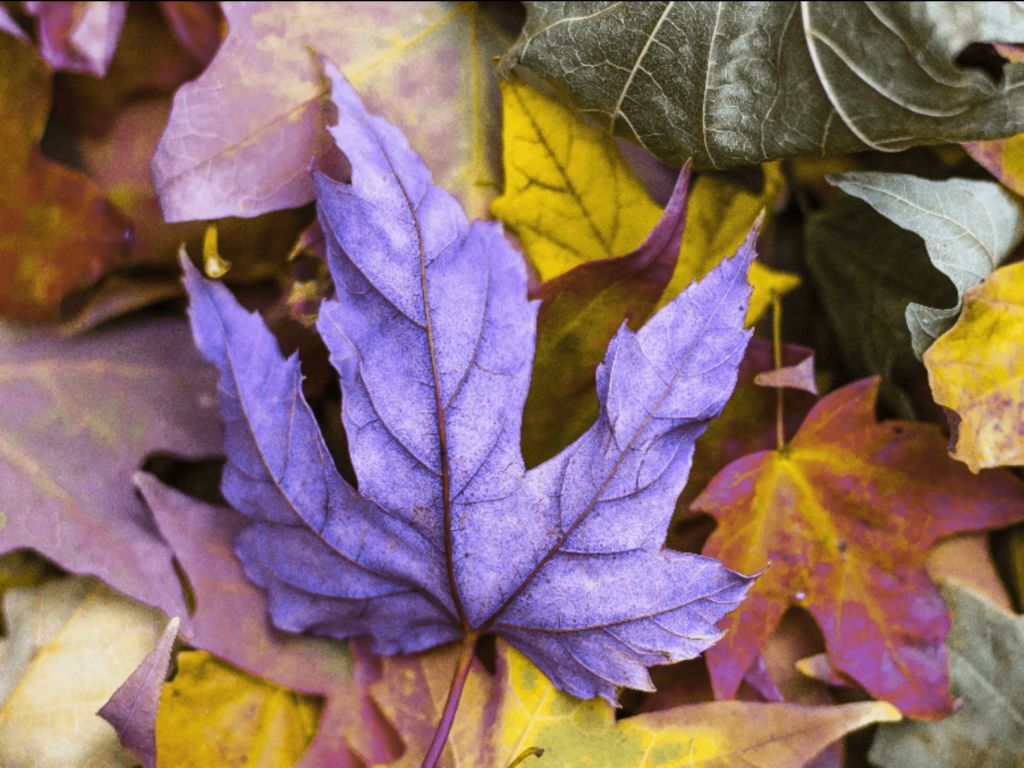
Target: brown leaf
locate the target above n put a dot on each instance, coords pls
(58, 233)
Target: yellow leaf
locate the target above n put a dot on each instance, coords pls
(214, 715)
(72, 642)
(502, 716)
(767, 282)
(571, 197)
(976, 369)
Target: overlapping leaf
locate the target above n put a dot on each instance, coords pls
(242, 134)
(968, 227)
(433, 340)
(976, 370)
(77, 418)
(580, 313)
(867, 270)
(520, 708)
(730, 83)
(133, 708)
(231, 620)
(245, 721)
(984, 646)
(58, 233)
(571, 198)
(844, 515)
(71, 643)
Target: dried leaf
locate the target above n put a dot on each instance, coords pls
(976, 370)
(731, 83)
(418, 556)
(77, 419)
(59, 233)
(133, 708)
(521, 708)
(800, 376)
(968, 227)
(242, 134)
(72, 642)
(78, 36)
(844, 515)
(985, 656)
(219, 717)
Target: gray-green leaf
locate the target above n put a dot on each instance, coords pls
(866, 270)
(986, 657)
(734, 83)
(969, 228)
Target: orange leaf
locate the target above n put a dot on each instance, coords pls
(843, 516)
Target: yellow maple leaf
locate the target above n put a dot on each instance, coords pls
(976, 370)
(571, 197)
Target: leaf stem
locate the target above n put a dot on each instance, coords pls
(780, 435)
(459, 678)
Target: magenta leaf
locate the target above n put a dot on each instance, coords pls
(448, 536)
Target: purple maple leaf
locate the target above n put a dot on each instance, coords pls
(447, 535)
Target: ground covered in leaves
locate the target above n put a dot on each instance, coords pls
(651, 377)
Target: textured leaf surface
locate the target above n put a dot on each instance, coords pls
(231, 620)
(867, 270)
(242, 134)
(730, 83)
(844, 515)
(244, 721)
(968, 227)
(579, 314)
(77, 419)
(133, 708)
(419, 555)
(520, 708)
(57, 231)
(571, 198)
(976, 370)
(987, 670)
(71, 643)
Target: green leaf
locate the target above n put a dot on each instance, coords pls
(984, 646)
(969, 228)
(866, 270)
(732, 83)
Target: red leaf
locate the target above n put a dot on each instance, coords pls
(843, 516)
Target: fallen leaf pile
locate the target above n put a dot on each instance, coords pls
(458, 384)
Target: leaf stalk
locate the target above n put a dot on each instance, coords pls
(459, 678)
(780, 435)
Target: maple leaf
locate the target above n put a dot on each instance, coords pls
(447, 536)
(845, 514)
